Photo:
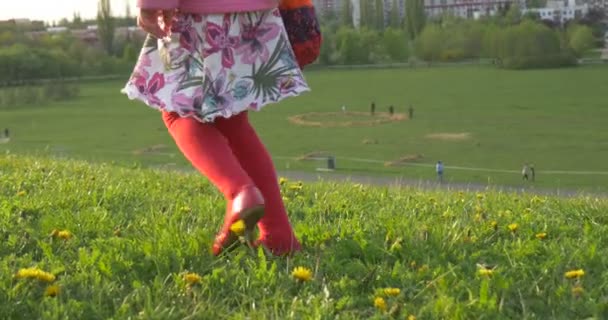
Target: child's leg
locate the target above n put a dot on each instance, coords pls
(209, 152)
(276, 231)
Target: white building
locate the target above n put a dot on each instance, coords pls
(560, 11)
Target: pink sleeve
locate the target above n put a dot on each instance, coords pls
(158, 4)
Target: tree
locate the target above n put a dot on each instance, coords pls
(367, 19)
(347, 13)
(106, 25)
(513, 16)
(395, 44)
(429, 44)
(395, 17)
(380, 20)
(77, 21)
(415, 17)
(580, 39)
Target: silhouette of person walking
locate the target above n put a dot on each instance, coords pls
(391, 110)
(410, 111)
(6, 133)
(373, 108)
(439, 170)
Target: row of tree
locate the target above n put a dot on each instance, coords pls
(509, 39)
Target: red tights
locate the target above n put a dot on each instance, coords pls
(230, 154)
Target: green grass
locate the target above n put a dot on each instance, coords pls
(357, 240)
(553, 118)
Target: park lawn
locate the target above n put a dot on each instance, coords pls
(552, 118)
(121, 243)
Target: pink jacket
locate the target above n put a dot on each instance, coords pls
(209, 6)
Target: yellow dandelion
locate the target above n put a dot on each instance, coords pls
(392, 291)
(185, 209)
(513, 227)
(35, 273)
(574, 274)
(302, 274)
(282, 180)
(380, 303)
(52, 291)
(238, 227)
(483, 271)
(21, 193)
(296, 186)
(64, 234)
(192, 278)
(411, 317)
(541, 235)
(494, 225)
(577, 291)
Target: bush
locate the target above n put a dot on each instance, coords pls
(18, 96)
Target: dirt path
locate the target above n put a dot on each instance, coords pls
(428, 185)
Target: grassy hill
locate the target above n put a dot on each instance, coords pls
(482, 122)
(121, 243)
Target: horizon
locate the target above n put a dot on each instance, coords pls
(55, 11)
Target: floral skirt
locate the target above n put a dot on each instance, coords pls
(217, 65)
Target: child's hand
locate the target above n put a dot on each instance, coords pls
(156, 22)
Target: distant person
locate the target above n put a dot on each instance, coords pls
(343, 108)
(391, 110)
(533, 172)
(373, 108)
(208, 120)
(410, 112)
(6, 133)
(439, 170)
(525, 172)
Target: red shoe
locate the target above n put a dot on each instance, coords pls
(247, 208)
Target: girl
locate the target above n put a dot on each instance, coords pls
(226, 57)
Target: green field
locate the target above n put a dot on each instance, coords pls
(555, 119)
(136, 233)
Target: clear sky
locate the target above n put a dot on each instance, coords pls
(49, 10)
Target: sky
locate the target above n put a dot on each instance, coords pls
(54, 10)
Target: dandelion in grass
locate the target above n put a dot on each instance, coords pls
(238, 227)
(296, 186)
(185, 209)
(423, 268)
(494, 225)
(192, 278)
(577, 291)
(541, 235)
(572, 274)
(484, 270)
(282, 181)
(52, 291)
(411, 317)
(480, 196)
(302, 274)
(61, 234)
(35, 273)
(393, 292)
(21, 193)
(380, 303)
(64, 234)
(513, 227)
